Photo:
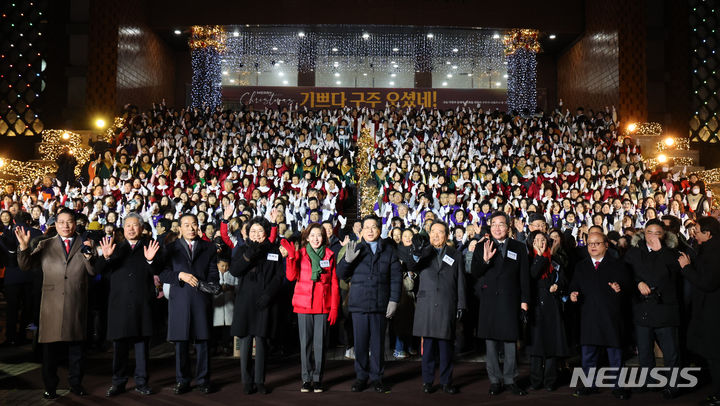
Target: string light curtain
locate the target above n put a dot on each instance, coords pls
(206, 44)
(521, 48)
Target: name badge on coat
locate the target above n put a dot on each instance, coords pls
(325, 263)
(448, 260)
(272, 257)
(512, 255)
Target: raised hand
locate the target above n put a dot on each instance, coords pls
(683, 260)
(489, 250)
(615, 286)
(228, 211)
(23, 237)
(151, 249)
(345, 241)
(351, 251)
(107, 246)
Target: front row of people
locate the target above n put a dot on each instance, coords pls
(512, 281)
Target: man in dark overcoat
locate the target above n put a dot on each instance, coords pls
(597, 284)
(703, 274)
(500, 265)
(656, 300)
(375, 287)
(189, 261)
(130, 267)
(440, 302)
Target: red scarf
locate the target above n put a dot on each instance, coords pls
(549, 269)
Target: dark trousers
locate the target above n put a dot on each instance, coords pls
(246, 359)
(121, 355)
(714, 367)
(52, 354)
(667, 339)
(19, 299)
(492, 361)
(445, 356)
(590, 355)
(543, 371)
(182, 362)
(369, 332)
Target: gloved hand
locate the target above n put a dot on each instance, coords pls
(262, 302)
(419, 243)
(332, 317)
(289, 247)
(524, 317)
(391, 309)
(253, 251)
(351, 251)
(459, 314)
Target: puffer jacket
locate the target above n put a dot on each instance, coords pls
(312, 297)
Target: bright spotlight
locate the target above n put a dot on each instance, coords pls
(177, 32)
(669, 141)
(100, 123)
(662, 158)
(631, 127)
(66, 136)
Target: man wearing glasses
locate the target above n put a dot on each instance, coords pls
(597, 285)
(374, 294)
(65, 263)
(503, 288)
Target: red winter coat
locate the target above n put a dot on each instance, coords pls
(311, 297)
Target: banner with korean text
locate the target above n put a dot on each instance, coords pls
(261, 97)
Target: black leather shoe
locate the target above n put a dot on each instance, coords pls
(204, 388)
(428, 388)
(143, 390)
(115, 390)
(248, 389)
(262, 389)
(306, 387)
(50, 395)
(621, 394)
(495, 389)
(318, 387)
(450, 389)
(517, 390)
(78, 390)
(358, 386)
(381, 387)
(181, 388)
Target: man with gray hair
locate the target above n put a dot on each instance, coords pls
(130, 265)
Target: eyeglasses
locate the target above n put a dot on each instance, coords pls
(595, 244)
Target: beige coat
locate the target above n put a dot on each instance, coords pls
(63, 308)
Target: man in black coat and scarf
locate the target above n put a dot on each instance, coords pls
(503, 288)
(656, 304)
(703, 274)
(130, 268)
(597, 284)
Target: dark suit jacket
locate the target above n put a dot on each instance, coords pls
(189, 310)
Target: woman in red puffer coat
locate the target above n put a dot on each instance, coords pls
(316, 299)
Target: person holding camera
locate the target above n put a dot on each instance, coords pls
(656, 305)
(191, 270)
(131, 267)
(259, 270)
(66, 262)
(440, 302)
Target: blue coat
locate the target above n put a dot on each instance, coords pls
(189, 310)
(376, 278)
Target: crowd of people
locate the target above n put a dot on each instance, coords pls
(548, 230)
